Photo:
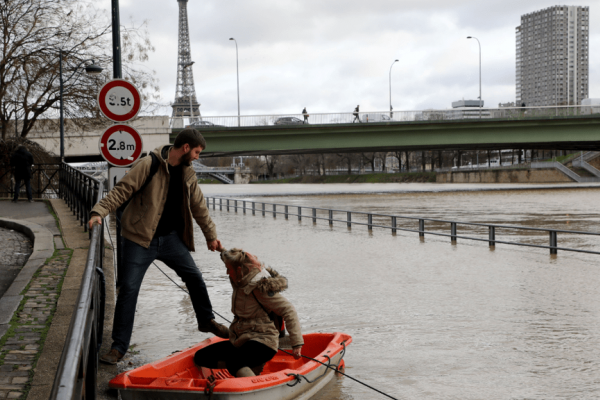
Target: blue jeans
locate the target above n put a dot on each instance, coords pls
(136, 260)
(18, 187)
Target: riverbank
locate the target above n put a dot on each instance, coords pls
(415, 177)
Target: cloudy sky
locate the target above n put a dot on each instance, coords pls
(330, 55)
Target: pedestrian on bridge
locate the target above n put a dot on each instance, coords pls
(157, 224)
(355, 113)
(305, 114)
(21, 162)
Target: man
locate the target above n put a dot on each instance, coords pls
(21, 161)
(305, 115)
(157, 225)
(355, 113)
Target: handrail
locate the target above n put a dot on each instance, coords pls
(77, 369)
(394, 227)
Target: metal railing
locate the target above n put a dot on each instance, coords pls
(78, 366)
(44, 181)
(376, 220)
(474, 114)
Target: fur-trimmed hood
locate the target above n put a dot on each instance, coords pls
(268, 281)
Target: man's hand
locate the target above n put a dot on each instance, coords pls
(94, 219)
(215, 245)
(297, 352)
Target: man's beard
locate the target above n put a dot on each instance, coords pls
(186, 159)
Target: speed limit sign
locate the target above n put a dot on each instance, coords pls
(120, 145)
(119, 100)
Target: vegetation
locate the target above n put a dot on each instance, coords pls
(34, 33)
(366, 178)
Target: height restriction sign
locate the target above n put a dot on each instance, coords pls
(120, 145)
(119, 100)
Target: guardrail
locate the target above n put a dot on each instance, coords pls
(77, 369)
(373, 220)
(44, 181)
(454, 114)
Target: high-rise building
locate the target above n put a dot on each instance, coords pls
(552, 56)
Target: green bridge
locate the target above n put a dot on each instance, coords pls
(548, 133)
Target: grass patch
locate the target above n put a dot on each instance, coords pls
(365, 178)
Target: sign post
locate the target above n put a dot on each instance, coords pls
(120, 145)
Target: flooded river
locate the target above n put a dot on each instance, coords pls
(429, 319)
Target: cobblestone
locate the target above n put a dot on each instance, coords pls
(16, 247)
(20, 351)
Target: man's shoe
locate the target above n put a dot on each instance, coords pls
(31, 201)
(112, 357)
(215, 328)
(13, 201)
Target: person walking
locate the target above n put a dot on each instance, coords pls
(355, 113)
(21, 162)
(157, 224)
(305, 115)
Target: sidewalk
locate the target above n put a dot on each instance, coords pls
(36, 310)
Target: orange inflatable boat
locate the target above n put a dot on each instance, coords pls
(177, 377)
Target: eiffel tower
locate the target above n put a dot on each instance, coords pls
(185, 92)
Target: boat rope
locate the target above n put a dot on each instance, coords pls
(297, 376)
(210, 386)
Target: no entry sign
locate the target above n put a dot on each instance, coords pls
(119, 100)
(120, 145)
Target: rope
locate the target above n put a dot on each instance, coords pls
(297, 376)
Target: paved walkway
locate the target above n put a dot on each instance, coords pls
(36, 308)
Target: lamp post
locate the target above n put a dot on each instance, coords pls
(190, 92)
(90, 69)
(395, 61)
(237, 68)
(480, 99)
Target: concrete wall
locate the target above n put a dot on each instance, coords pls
(154, 131)
(549, 175)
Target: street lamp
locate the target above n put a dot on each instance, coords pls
(395, 61)
(480, 99)
(90, 69)
(237, 67)
(190, 91)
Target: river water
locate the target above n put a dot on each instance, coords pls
(429, 319)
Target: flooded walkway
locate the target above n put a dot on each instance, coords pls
(430, 320)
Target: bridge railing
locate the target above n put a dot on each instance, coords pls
(423, 226)
(77, 369)
(503, 113)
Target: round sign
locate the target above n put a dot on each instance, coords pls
(120, 145)
(119, 100)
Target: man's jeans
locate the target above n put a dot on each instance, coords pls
(136, 260)
(18, 187)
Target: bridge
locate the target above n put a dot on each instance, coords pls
(544, 128)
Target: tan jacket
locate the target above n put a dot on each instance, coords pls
(143, 212)
(251, 322)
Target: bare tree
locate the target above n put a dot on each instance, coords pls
(370, 158)
(33, 34)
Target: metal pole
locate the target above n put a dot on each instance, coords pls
(237, 68)
(395, 61)
(116, 39)
(62, 123)
(480, 98)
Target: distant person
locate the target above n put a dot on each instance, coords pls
(253, 336)
(391, 112)
(157, 224)
(21, 162)
(305, 114)
(355, 113)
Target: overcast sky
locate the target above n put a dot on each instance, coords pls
(330, 55)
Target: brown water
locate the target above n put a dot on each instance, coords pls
(429, 319)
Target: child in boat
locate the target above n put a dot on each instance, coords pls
(253, 338)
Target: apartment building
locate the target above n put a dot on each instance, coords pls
(553, 57)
